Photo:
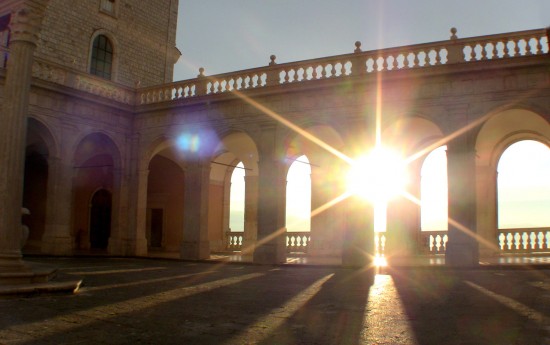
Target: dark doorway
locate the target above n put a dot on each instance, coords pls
(100, 219)
(157, 216)
(34, 198)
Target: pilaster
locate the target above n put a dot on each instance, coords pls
(57, 238)
(250, 214)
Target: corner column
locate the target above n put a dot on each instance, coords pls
(195, 244)
(25, 26)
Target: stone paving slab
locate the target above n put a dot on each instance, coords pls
(140, 301)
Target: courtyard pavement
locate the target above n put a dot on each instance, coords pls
(155, 301)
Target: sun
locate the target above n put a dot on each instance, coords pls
(378, 176)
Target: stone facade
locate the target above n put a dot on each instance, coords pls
(143, 34)
(140, 169)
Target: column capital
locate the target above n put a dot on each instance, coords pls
(26, 20)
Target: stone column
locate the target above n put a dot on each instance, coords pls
(57, 238)
(358, 242)
(462, 248)
(25, 26)
(195, 244)
(250, 214)
(403, 222)
(487, 224)
(326, 223)
(271, 243)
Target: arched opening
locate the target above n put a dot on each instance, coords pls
(523, 197)
(434, 201)
(100, 219)
(523, 186)
(298, 204)
(237, 199)
(95, 161)
(233, 195)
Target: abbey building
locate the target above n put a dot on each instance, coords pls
(109, 155)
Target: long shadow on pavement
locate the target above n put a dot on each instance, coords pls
(476, 307)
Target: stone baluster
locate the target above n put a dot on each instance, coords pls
(538, 45)
(505, 50)
(484, 46)
(516, 48)
(25, 25)
(305, 76)
(416, 60)
(528, 50)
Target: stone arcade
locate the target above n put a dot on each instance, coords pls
(109, 155)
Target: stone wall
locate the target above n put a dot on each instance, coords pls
(143, 34)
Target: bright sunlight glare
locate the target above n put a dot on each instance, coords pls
(378, 177)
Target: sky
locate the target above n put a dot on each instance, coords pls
(230, 35)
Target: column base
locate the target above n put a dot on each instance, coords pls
(461, 255)
(58, 246)
(195, 250)
(270, 254)
(15, 271)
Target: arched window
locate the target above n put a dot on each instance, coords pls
(101, 63)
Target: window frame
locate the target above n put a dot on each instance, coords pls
(103, 50)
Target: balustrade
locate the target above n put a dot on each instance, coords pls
(534, 240)
(296, 242)
(434, 242)
(510, 45)
(234, 241)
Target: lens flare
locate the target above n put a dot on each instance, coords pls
(377, 177)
